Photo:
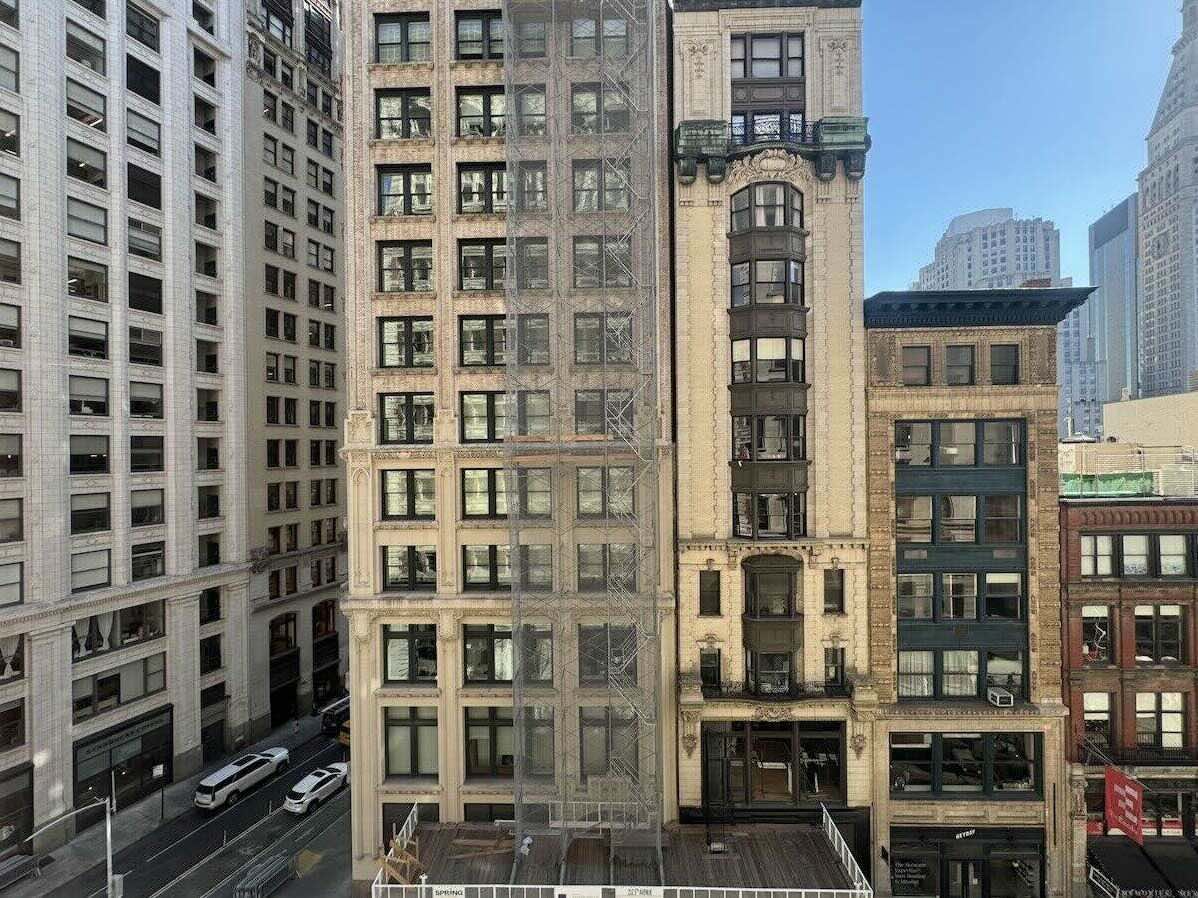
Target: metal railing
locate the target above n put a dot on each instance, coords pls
(573, 811)
(861, 885)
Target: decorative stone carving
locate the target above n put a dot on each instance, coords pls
(773, 713)
(858, 743)
(360, 428)
(361, 626)
(773, 163)
(696, 54)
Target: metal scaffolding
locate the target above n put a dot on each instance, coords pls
(582, 97)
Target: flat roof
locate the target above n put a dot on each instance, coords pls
(1013, 307)
(760, 856)
(711, 5)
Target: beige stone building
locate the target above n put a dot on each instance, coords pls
(970, 779)
(772, 646)
(294, 356)
(436, 455)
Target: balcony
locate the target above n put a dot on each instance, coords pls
(714, 142)
(1146, 753)
(734, 691)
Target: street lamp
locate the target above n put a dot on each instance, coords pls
(112, 888)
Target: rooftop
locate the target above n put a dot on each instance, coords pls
(1118, 470)
(759, 856)
(1013, 307)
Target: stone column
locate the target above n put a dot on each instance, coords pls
(364, 713)
(49, 728)
(183, 677)
(235, 608)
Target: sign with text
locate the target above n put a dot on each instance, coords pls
(1124, 804)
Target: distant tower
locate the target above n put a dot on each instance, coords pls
(1168, 326)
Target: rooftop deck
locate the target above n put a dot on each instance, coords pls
(758, 856)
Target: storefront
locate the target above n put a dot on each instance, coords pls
(121, 761)
(767, 766)
(1170, 807)
(16, 807)
(970, 862)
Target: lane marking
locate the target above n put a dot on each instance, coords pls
(186, 873)
(254, 860)
(232, 807)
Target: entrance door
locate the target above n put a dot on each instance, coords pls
(212, 738)
(965, 878)
(284, 705)
(772, 768)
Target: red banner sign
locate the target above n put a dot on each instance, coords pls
(1124, 804)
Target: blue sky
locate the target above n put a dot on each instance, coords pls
(1040, 105)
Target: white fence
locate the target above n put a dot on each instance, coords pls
(861, 885)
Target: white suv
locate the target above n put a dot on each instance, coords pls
(227, 784)
(314, 788)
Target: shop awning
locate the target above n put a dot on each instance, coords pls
(1164, 867)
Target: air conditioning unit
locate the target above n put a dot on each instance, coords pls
(999, 697)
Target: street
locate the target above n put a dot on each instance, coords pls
(197, 854)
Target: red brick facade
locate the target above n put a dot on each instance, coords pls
(1122, 677)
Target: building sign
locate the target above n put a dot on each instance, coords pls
(914, 876)
(1124, 804)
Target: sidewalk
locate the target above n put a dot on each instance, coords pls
(138, 820)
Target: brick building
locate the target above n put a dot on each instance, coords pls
(1129, 596)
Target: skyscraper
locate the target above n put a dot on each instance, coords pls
(1168, 331)
(991, 249)
(132, 277)
(1099, 351)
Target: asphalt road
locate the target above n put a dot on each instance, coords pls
(203, 848)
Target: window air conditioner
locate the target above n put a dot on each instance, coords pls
(1000, 697)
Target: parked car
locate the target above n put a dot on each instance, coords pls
(233, 780)
(314, 788)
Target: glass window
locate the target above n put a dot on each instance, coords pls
(405, 266)
(911, 762)
(406, 418)
(1097, 556)
(410, 653)
(963, 757)
(403, 113)
(916, 674)
(1096, 711)
(488, 654)
(957, 444)
(1001, 443)
(410, 741)
(85, 221)
(486, 567)
(960, 676)
(405, 342)
(402, 38)
(1134, 555)
(405, 190)
(959, 596)
(409, 494)
(1159, 632)
(87, 106)
(1004, 364)
(1096, 634)
(915, 596)
(1004, 596)
(913, 444)
(913, 519)
(958, 365)
(83, 47)
(917, 366)
(1172, 555)
(480, 35)
(410, 567)
(1002, 519)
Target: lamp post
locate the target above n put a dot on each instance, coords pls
(111, 886)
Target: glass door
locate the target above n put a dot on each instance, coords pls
(772, 767)
(965, 878)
